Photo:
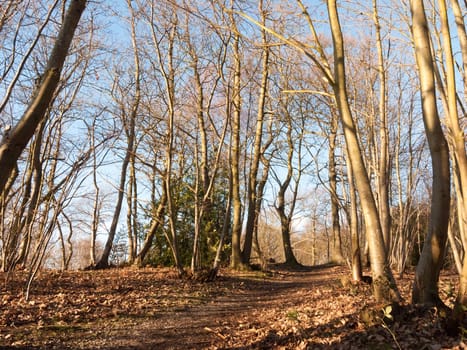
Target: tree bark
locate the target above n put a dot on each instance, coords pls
(354, 236)
(425, 287)
(14, 142)
(236, 258)
(384, 286)
(456, 137)
(252, 193)
(384, 163)
(336, 249)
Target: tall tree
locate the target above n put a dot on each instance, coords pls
(385, 288)
(252, 190)
(425, 287)
(384, 161)
(129, 127)
(167, 69)
(383, 282)
(456, 136)
(236, 258)
(280, 206)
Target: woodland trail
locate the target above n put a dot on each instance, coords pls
(245, 309)
(308, 308)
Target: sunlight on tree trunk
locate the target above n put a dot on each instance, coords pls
(384, 285)
(384, 168)
(252, 192)
(236, 258)
(13, 143)
(456, 137)
(425, 288)
(336, 248)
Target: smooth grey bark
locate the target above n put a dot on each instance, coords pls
(425, 287)
(336, 248)
(384, 164)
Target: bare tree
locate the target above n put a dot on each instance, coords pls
(384, 167)
(425, 288)
(383, 282)
(236, 258)
(129, 122)
(252, 190)
(14, 141)
(280, 205)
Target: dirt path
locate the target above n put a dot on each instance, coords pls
(151, 309)
(243, 312)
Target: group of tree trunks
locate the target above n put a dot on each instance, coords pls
(446, 145)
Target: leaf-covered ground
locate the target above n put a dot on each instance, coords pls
(313, 308)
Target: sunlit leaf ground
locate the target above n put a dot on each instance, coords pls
(313, 308)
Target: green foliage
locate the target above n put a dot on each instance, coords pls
(184, 217)
(292, 315)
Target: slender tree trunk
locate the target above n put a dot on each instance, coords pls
(384, 286)
(157, 222)
(384, 163)
(259, 201)
(167, 70)
(103, 262)
(457, 138)
(14, 142)
(224, 233)
(170, 86)
(354, 236)
(131, 215)
(252, 193)
(336, 249)
(462, 34)
(425, 288)
(129, 126)
(32, 196)
(236, 258)
(286, 219)
(202, 202)
(96, 205)
(285, 223)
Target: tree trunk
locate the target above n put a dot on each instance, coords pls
(384, 286)
(384, 163)
(132, 190)
(236, 258)
(354, 236)
(425, 287)
(225, 231)
(14, 142)
(336, 249)
(286, 218)
(457, 138)
(202, 202)
(462, 34)
(285, 222)
(252, 193)
(157, 222)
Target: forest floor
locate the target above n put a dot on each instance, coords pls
(309, 308)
